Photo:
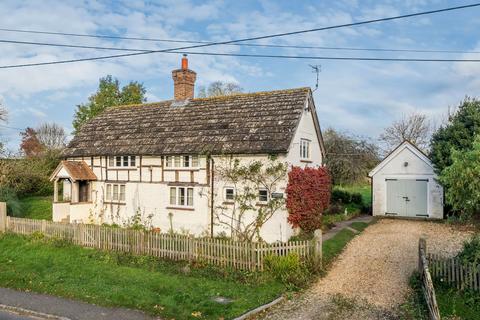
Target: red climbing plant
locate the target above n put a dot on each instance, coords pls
(308, 195)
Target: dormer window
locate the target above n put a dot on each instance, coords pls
(122, 161)
(304, 149)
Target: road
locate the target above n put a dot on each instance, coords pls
(4, 315)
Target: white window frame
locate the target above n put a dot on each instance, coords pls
(115, 192)
(119, 161)
(305, 150)
(225, 194)
(182, 194)
(182, 162)
(259, 199)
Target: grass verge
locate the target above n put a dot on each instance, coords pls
(457, 304)
(36, 207)
(158, 287)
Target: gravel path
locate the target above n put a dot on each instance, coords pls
(369, 280)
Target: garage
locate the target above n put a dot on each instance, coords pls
(404, 184)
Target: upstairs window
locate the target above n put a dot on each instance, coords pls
(304, 149)
(181, 161)
(122, 161)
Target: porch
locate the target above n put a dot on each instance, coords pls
(72, 184)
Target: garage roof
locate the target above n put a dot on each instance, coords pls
(404, 145)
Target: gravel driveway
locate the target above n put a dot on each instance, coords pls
(370, 278)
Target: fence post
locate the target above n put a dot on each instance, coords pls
(422, 248)
(3, 216)
(317, 254)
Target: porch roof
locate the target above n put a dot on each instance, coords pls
(74, 170)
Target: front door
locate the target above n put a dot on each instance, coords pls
(407, 197)
(83, 189)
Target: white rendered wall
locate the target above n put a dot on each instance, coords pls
(416, 169)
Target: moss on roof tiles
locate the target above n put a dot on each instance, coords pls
(260, 122)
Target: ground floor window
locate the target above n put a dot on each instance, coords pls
(181, 196)
(115, 192)
(263, 195)
(229, 194)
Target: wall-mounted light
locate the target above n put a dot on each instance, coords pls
(405, 164)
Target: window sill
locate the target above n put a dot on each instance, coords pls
(228, 202)
(261, 204)
(85, 202)
(114, 202)
(181, 169)
(306, 161)
(181, 208)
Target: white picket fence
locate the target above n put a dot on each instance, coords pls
(226, 253)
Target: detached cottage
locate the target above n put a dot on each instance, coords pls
(159, 160)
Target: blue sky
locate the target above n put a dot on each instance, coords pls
(355, 96)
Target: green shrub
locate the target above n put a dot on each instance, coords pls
(344, 197)
(289, 269)
(8, 195)
(471, 250)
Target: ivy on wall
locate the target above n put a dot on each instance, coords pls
(308, 196)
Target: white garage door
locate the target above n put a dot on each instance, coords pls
(407, 197)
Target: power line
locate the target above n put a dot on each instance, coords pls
(230, 44)
(8, 127)
(272, 56)
(252, 38)
(147, 50)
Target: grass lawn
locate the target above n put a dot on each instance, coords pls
(154, 286)
(335, 245)
(36, 207)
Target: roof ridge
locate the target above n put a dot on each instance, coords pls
(218, 97)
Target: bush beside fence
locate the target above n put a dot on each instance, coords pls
(455, 272)
(225, 253)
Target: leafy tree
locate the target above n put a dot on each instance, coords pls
(47, 137)
(219, 88)
(462, 180)
(414, 127)
(108, 95)
(30, 145)
(457, 133)
(349, 158)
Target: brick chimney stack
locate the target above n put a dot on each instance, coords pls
(184, 81)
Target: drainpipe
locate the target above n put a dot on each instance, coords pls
(212, 194)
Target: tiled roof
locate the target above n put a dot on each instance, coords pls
(262, 122)
(77, 170)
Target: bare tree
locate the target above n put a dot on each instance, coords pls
(349, 158)
(415, 127)
(52, 136)
(219, 88)
(3, 113)
(3, 118)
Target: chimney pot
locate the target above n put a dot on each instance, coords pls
(184, 81)
(184, 62)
